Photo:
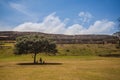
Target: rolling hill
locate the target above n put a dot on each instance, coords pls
(64, 39)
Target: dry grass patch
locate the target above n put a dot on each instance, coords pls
(72, 68)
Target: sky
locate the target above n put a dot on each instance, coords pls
(71, 17)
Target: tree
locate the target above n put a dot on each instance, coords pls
(34, 44)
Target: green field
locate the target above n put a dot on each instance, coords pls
(81, 63)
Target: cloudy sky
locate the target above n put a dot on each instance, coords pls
(60, 16)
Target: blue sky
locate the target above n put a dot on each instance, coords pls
(60, 16)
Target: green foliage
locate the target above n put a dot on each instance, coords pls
(34, 44)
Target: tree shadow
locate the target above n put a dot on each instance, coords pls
(110, 55)
(39, 63)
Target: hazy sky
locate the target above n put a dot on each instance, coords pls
(60, 16)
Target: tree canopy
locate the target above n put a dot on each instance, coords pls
(34, 44)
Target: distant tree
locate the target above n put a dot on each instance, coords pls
(34, 44)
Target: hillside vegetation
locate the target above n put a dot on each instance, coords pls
(87, 49)
(71, 49)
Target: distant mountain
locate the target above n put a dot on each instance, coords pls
(63, 39)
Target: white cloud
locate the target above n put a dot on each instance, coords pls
(50, 24)
(74, 29)
(53, 24)
(99, 27)
(103, 26)
(85, 16)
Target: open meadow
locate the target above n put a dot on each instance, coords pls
(59, 39)
(72, 62)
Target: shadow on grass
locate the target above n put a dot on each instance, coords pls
(39, 64)
(110, 55)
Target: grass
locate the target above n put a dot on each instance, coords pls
(71, 68)
(88, 66)
(87, 49)
(71, 49)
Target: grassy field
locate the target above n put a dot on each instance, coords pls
(87, 49)
(60, 68)
(88, 66)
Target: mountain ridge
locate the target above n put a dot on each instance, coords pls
(62, 38)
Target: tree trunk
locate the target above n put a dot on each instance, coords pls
(35, 57)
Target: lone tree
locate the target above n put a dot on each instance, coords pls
(34, 44)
